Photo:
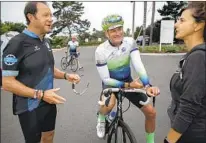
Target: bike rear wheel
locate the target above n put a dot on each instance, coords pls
(73, 64)
(126, 135)
(64, 63)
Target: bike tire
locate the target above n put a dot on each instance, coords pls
(64, 63)
(73, 64)
(125, 128)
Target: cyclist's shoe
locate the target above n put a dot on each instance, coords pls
(100, 129)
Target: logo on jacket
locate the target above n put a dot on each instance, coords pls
(36, 48)
(10, 60)
(123, 49)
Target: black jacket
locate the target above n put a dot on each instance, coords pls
(188, 89)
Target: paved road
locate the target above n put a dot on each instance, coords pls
(76, 119)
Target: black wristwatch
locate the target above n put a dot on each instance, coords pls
(65, 76)
(149, 85)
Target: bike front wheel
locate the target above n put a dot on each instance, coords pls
(121, 134)
(64, 63)
(73, 64)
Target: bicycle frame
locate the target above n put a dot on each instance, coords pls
(119, 113)
(118, 122)
(72, 56)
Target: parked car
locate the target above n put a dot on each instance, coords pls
(139, 40)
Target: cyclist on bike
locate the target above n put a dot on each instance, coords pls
(73, 49)
(113, 64)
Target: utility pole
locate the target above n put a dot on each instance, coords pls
(152, 22)
(144, 23)
(133, 19)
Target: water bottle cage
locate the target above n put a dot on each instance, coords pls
(111, 116)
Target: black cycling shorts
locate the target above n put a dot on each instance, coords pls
(41, 119)
(132, 97)
(76, 54)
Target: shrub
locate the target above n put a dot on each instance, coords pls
(164, 49)
(91, 43)
(59, 42)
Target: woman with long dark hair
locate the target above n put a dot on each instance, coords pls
(187, 111)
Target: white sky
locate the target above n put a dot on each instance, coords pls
(94, 12)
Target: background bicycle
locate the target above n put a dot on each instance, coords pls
(70, 61)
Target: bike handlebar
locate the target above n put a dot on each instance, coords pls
(116, 90)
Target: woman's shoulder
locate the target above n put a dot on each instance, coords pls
(198, 51)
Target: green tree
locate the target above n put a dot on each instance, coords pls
(156, 31)
(11, 26)
(84, 36)
(4, 28)
(68, 16)
(59, 41)
(137, 32)
(19, 27)
(127, 33)
(97, 34)
(171, 9)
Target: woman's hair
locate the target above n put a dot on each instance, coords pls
(198, 9)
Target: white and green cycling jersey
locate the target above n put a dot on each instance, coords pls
(113, 63)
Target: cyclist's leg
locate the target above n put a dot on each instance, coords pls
(150, 117)
(79, 65)
(30, 126)
(68, 55)
(149, 112)
(109, 104)
(48, 123)
(38, 125)
(104, 109)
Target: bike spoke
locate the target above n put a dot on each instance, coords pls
(124, 136)
(116, 135)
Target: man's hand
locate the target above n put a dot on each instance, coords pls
(52, 98)
(152, 91)
(74, 78)
(136, 84)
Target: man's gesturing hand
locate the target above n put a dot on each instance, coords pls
(74, 78)
(52, 98)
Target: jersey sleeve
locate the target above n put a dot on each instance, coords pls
(12, 55)
(69, 43)
(103, 71)
(77, 43)
(138, 65)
